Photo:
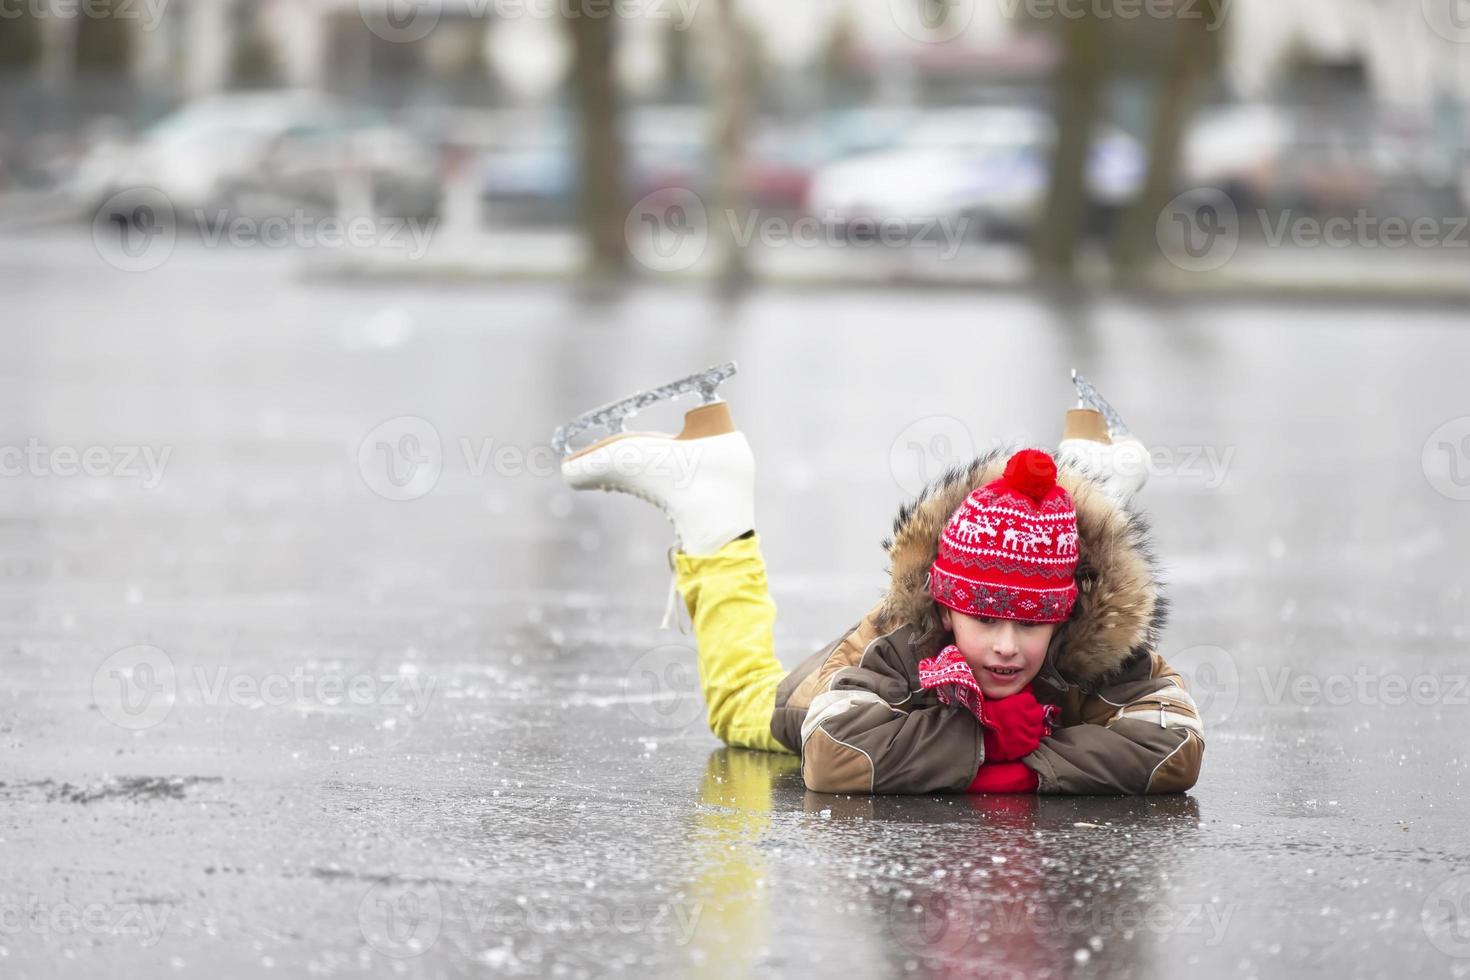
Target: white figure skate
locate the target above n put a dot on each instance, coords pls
(1096, 437)
(703, 479)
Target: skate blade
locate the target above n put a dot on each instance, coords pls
(1092, 398)
(612, 415)
(616, 437)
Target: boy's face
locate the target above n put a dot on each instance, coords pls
(1004, 654)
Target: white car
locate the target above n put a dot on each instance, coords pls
(1237, 149)
(274, 150)
(988, 165)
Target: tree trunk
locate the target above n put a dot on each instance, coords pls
(729, 212)
(1078, 94)
(1191, 63)
(603, 210)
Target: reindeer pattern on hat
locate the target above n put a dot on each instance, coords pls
(1045, 543)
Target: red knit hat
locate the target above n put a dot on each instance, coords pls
(1009, 550)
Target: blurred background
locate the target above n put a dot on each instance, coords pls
(1182, 143)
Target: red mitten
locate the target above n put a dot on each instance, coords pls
(1004, 777)
(1015, 726)
(949, 676)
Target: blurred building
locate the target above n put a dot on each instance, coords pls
(482, 51)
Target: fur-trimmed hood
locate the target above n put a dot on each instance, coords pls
(1120, 609)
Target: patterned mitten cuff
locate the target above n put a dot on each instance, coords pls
(950, 678)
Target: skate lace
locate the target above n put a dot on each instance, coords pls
(672, 602)
(673, 598)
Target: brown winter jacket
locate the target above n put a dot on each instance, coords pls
(856, 714)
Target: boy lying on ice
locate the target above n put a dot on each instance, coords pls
(1014, 651)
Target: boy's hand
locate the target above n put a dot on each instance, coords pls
(949, 676)
(1015, 726)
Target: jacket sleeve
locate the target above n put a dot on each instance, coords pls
(871, 729)
(1140, 734)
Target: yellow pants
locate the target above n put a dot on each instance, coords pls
(733, 615)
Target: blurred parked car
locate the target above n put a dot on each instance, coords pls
(988, 165)
(1236, 149)
(863, 129)
(532, 175)
(267, 153)
(1323, 159)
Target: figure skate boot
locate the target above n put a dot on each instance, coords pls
(703, 478)
(1095, 437)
